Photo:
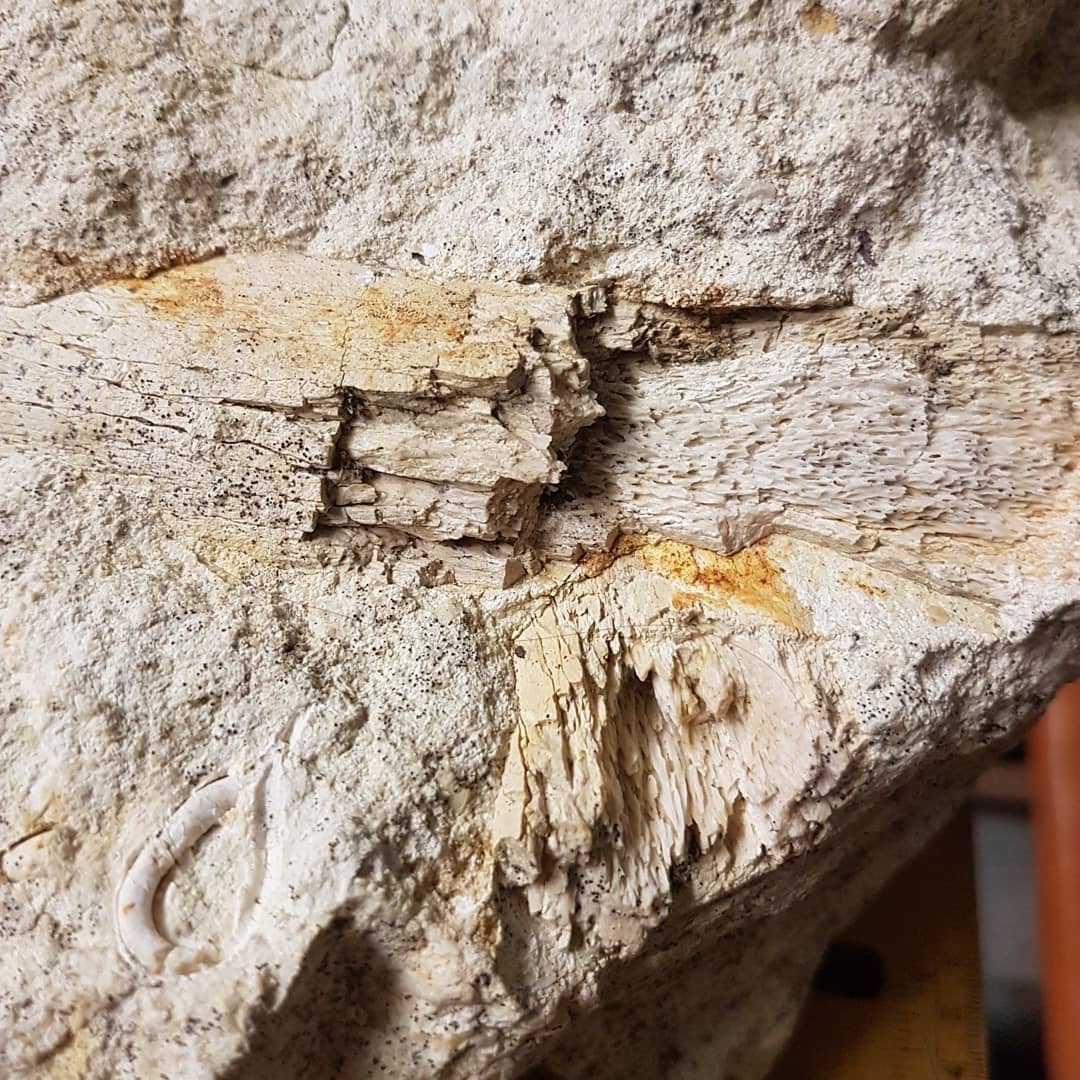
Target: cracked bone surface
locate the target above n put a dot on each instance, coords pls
(514, 522)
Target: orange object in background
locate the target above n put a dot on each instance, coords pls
(1054, 770)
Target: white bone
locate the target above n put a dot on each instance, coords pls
(140, 938)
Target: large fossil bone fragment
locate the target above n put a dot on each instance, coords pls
(300, 393)
(512, 522)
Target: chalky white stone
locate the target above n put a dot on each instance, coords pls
(513, 520)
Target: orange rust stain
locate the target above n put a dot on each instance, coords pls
(818, 20)
(870, 590)
(855, 581)
(417, 312)
(748, 577)
(289, 318)
(313, 322)
(596, 562)
(681, 600)
(183, 293)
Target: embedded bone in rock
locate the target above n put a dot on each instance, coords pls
(513, 523)
(931, 446)
(275, 393)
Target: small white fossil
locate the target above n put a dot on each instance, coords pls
(140, 938)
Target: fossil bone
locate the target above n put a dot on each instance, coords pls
(136, 926)
(596, 485)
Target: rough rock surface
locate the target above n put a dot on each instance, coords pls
(514, 520)
(731, 151)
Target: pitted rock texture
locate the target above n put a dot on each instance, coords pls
(727, 150)
(453, 813)
(513, 520)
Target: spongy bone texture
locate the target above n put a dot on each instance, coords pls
(514, 519)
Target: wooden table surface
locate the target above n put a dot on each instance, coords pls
(914, 958)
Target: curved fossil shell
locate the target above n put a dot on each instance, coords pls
(137, 930)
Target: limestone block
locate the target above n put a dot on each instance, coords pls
(513, 520)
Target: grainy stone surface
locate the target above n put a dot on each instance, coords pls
(513, 520)
(738, 151)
